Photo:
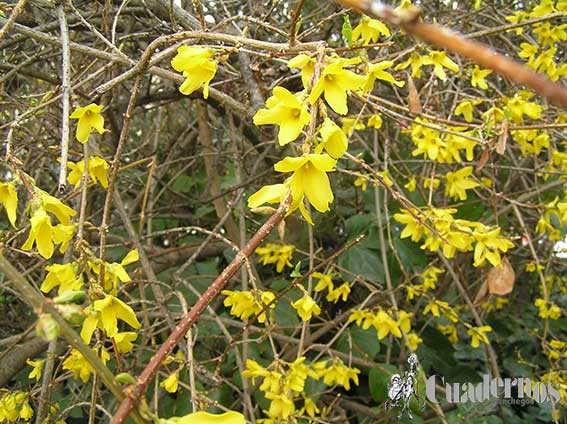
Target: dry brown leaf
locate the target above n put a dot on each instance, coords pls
(502, 140)
(500, 279)
(281, 229)
(482, 294)
(413, 98)
(483, 159)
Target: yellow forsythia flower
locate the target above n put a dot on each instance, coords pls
(89, 117)
(286, 110)
(334, 140)
(171, 383)
(439, 60)
(197, 66)
(202, 417)
(334, 83)
(478, 334)
(98, 168)
(124, 341)
(65, 276)
(37, 368)
(9, 198)
(369, 30)
(306, 307)
(105, 314)
(310, 178)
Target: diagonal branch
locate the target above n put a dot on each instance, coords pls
(193, 315)
(408, 20)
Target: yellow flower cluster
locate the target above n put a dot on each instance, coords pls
(42, 232)
(558, 379)
(383, 322)
(548, 36)
(548, 309)
(289, 111)
(556, 349)
(548, 225)
(280, 255)
(284, 383)
(78, 365)
(333, 293)
(438, 59)
(244, 304)
(453, 235)
(443, 148)
(14, 406)
(97, 169)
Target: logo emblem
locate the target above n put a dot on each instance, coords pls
(402, 389)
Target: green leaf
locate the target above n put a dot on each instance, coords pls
(358, 342)
(347, 31)
(378, 379)
(363, 262)
(296, 273)
(182, 184)
(298, 25)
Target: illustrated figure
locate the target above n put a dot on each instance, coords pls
(401, 389)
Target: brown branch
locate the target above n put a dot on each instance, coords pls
(41, 306)
(10, 21)
(293, 284)
(198, 308)
(456, 43)
(295, 15)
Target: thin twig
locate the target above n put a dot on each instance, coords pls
(41, 306)
(189, 320)
(295, 16)
(10, 21)
(66, 91)
(483, 55)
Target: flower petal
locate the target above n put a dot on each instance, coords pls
(289, 164)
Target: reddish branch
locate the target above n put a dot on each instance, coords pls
(478, 52)
(191, 317)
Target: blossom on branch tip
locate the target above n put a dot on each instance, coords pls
(89, 117)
